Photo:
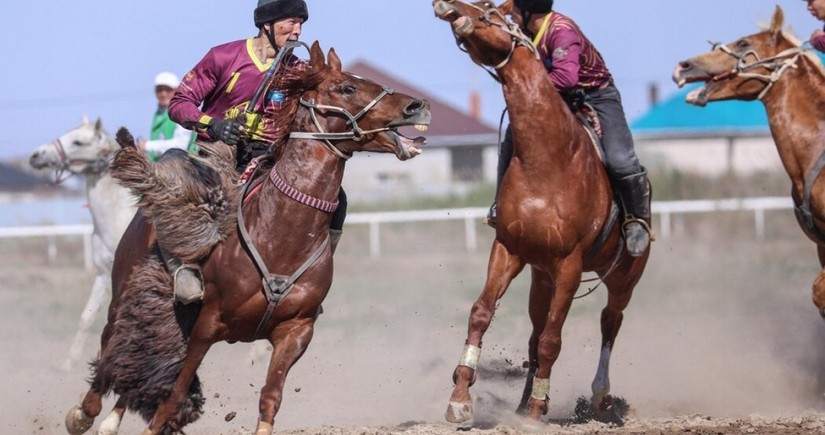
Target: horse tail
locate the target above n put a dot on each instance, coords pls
(147, 346)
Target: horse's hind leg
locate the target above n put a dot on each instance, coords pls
(289, 341)
(99, 290)
(620, 284)
(111, 424)
(201, 339)
(501, 270)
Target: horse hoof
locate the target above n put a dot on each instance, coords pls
(458, 412)
(77, 422)
(263, 428)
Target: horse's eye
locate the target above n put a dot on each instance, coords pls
(348, 90)
(743, 44)
(77, 143)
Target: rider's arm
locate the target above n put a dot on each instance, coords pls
(180, 139)
(195, 87)
(564, 49)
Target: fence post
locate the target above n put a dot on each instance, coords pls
(470, 233)
(87, 252)
(375, 240)
(759, 218)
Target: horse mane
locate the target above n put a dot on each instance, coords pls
(293, 82)
(791, 37)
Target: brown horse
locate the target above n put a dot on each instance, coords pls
(555, 207)
(287, 219)
(772, 67)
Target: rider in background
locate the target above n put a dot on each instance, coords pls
(214, 95)
(817, 9)
(165, 133)
(578, 71)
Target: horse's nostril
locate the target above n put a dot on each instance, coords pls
(685, 65)
(414, 107)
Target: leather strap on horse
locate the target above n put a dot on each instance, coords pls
(275, 287)
(803, 210)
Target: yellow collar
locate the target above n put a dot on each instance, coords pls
(250, 49)
(542, 29)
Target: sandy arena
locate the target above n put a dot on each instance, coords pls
(720, 338)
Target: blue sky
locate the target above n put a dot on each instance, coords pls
(63, 59)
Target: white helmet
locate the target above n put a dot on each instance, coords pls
(167, 79)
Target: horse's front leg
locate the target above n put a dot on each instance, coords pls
(289, 341)
(502, 268)
(541, 293)
(203, 336)
(566, 275)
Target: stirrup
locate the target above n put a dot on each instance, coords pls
(492, 216)
(186, 294)
(631, 219)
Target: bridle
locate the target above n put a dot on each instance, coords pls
(517, 37)
(776, 64)
(65, 167)
(356, 133)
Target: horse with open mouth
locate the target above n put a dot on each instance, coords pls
(279, 225)
(557, 214)
(772, 67)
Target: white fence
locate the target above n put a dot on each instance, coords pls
(472, 217)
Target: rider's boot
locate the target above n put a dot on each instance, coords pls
(186, 279)
(334, 238)
(634, 191)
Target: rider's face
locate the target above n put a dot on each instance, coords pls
(288, 29)
(817, 8)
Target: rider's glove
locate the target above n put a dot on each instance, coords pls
(226, 130)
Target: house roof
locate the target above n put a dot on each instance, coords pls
(674, 117)
(446, 121)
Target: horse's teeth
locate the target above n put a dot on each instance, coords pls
(421, 127)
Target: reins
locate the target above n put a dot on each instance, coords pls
(517, 37)
(788, 57)
(65, 164)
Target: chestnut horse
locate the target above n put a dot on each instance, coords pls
(287, 219)
(772, 67)
(555, 205)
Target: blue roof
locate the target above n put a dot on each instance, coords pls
(675, 116)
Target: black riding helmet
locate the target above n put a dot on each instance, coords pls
(274, 10)
(535, 6)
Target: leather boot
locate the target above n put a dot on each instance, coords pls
(492, 214)
(634, 191)
(334, 238)
(186, 279)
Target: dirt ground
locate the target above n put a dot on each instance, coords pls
(720, 338)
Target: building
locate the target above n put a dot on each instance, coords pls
(723, 137)
(461, 152)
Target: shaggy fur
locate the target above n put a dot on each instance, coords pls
(191, 200)
(148, 345)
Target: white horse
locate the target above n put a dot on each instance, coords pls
(86, 151)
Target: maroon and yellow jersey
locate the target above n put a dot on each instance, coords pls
(570, 58)
(221, 86)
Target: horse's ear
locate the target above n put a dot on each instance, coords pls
(85, 119)
(777, 21)
(506, 8)
(98, 125)
(334, 60)
(316, 56)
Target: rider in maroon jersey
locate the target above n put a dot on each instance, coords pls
(220, 87)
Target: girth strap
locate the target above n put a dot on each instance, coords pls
(275, 287)
(803, 210)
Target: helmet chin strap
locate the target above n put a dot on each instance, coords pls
(270, 35)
